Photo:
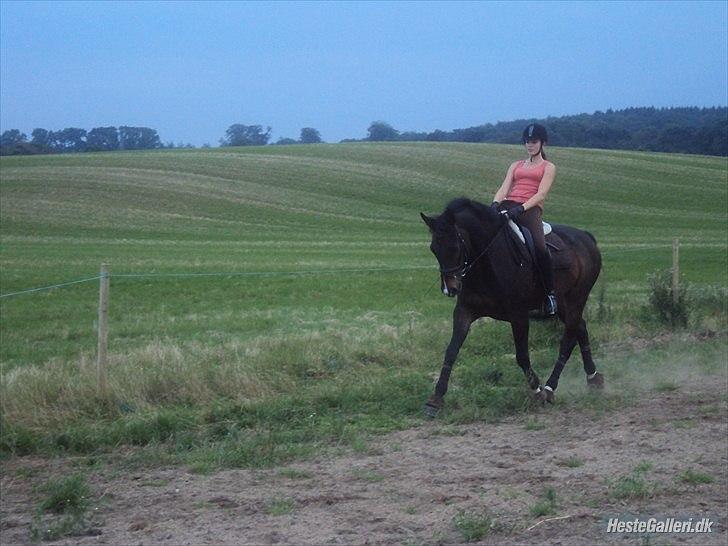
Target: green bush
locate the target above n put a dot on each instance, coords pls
(670, 308)
(693, 302)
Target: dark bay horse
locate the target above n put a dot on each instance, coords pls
(493, 275)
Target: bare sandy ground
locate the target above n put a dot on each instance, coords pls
(408, 487)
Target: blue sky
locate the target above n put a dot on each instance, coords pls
(191, 69)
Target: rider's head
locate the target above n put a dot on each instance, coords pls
(534, 137)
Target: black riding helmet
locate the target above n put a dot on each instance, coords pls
(535, 131)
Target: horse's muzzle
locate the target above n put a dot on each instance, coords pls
(451, 285)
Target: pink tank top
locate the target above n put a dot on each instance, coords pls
(526, 182)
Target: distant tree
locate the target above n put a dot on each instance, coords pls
(70, 139)
(13, 142)
(28, 148)
(41, 139)
(309, 135)
(12, 137)
(437, 136)
(138, 138)
(245, 135)
(286, 141)
(102, 139)
(206, 145)
(381, 131)
(413, 136)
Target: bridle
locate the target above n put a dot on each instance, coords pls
(466, 265)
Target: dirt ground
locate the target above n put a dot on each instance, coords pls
(409, 487)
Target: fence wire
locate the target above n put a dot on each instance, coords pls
(224, 274)
(40, 289)
(269, 273)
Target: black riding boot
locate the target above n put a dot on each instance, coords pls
(547, 274)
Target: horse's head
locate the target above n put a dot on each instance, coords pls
(449, 249)
(454, 238)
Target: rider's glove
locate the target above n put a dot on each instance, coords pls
(494, 205)
(515, 212)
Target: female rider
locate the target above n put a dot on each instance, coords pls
(522, 195)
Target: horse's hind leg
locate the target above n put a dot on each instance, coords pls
(461, 322)
(573, 323)
(568, 342)
(593, 377)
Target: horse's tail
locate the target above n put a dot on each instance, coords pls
(598, 254)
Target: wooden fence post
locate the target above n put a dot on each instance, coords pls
(101, 373)
(675, 269)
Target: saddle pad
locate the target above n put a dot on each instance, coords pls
(561, 254)
(516, 230)
(546, 229)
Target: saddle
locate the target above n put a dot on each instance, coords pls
(561, 256)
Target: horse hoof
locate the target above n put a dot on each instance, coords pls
(430, 411)
(537, 396)
(548, 396)
(596, 382)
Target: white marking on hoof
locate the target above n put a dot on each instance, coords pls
(547, 388)
(592, 376)
(537, 390)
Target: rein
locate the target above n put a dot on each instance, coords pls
(467, 265)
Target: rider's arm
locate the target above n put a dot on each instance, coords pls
(543, 188)
(502, 192)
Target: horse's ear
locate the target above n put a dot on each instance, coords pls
(429, 221)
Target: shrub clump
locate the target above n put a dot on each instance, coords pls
(63, 510)
(671, 308)
(693, 302)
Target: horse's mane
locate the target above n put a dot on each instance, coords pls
(475, 217)
(464, 204)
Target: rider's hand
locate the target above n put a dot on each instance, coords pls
(494, 205)
(515, 212)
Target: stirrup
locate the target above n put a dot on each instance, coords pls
(550, 308)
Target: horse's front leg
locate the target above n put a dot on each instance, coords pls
(568, 342)
(461, 321)
(519, 327)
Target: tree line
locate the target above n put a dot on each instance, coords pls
(254, 135)
(73, 139)
(689, 130)
(682, 130)
(109, 139)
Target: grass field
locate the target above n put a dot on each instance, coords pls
(307, 350)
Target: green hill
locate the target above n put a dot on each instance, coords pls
(324, 210)
(85, 208)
